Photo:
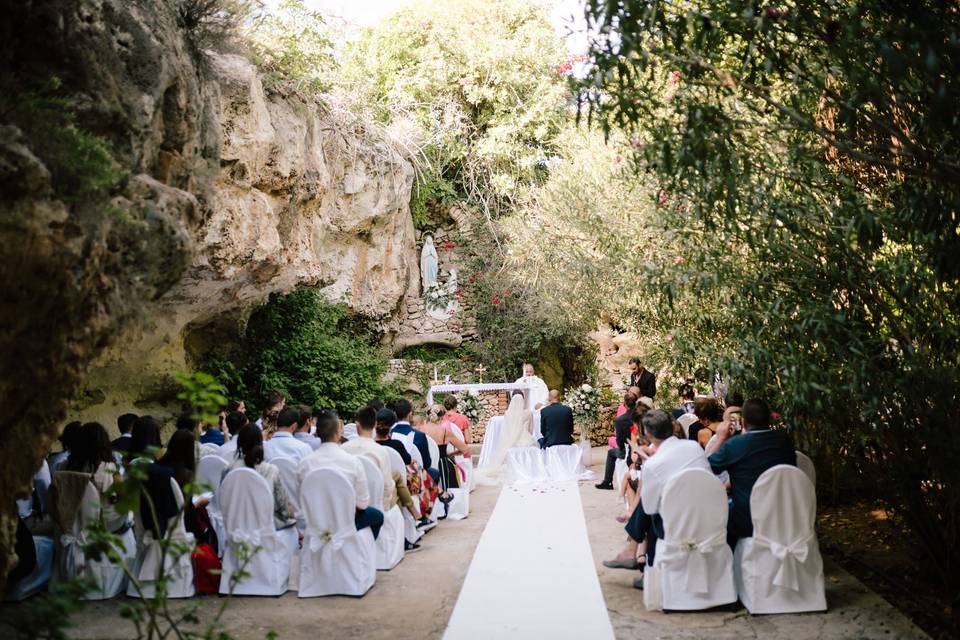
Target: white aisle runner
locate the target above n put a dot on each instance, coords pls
(532, 575)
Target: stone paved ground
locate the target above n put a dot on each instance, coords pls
(415, 600)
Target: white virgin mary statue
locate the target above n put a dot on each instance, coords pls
(428, 264)
(517, 431)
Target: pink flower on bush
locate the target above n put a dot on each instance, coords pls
(661, 198)
(448, 245)
(495, 301)
(452, 312)
(669, 337)
(678, 260)
(774, 415)
(618, 158)
(459, 294)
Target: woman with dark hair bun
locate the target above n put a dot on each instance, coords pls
(250, 455)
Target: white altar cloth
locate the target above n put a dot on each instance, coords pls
(492, 436)
(492, 386)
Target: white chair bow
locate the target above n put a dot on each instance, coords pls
(246, 536)
(690, 555)
(323, 538)
(787, 556)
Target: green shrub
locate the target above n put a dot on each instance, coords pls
(314, 351)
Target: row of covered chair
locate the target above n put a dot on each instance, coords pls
(777, 570)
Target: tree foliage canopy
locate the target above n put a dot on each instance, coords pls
(806, 159)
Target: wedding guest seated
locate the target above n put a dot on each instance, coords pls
(621, 429)
(250, 455)
(145, 434)
(282, 443)
(32, 507)
(403, 408)
(214, 434)
(440, 430)
(745, 458)
(331, 455)
(672, 456)
(306, 425)
(709, 418)
(125, 426)
(450, 404)
(92, 453)
(272, 404)
(687, 394)
(556, 422)
(424, 492)
(233, 422)
(67, 436)
(180, 463)
(622, 408)
(395, 489)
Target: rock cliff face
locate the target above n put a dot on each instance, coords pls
(230, 193)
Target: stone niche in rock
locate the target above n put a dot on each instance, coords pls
(434, 312)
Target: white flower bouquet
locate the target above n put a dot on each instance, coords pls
(469, 405)
(584, 401)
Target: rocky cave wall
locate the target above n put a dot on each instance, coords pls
(231, 192)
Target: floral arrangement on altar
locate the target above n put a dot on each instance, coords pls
(469, 405)
(585, 402)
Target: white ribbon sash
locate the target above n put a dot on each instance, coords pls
(787, 556)
(323, 538)
(691, 555)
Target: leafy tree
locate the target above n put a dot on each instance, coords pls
(478, 81)
(806, 154)
(314, 351)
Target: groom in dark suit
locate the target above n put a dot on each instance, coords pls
(556, 422)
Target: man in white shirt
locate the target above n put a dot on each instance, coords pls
(672, 456)
(282, 444)
(331, 455)
(365, 445)
(537, 395)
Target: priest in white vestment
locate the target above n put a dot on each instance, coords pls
(537, 396)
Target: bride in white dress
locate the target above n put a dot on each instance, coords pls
(517, 431)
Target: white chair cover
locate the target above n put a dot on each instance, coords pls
(336, 558)
(619, 471)
(209, 449)
(390, 541)
(525, 464)
(178, 563)
(686, 420)
(563, 462)
(41, 574)
(805, 464)
(693, 559)
(466, 463)
(434, 452)
(210, 471)
(71, 562)
(288, 476)
(779, 569)
(407, 440)
(247, 504)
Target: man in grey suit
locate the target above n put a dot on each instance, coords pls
(556, 422)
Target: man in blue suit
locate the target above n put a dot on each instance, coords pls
(745, 458)
(556, 422)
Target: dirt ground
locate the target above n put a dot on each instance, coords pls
(415, 599)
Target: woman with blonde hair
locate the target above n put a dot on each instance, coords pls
(441, 431)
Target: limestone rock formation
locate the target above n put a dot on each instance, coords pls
(230, 193)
